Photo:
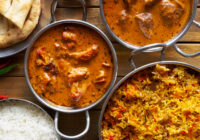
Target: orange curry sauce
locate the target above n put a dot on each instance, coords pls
(70, 65)
(129, 30)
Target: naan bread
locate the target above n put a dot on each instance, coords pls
(15, 34)
(4, 6)
(17, 11)
(3, 25)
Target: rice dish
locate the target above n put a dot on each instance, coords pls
(23, 121)
(159, 103)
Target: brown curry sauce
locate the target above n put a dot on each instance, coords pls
(129, 30)
(57, 74)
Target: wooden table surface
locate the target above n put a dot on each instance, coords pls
(14, 85)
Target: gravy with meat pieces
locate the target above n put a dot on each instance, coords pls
(70, 65)
(144, 22)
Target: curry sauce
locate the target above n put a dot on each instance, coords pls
(70, 65)
(143, 22)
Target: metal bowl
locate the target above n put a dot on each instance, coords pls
(123, 80)
(63, 109)
(87, 25)
(170, 42)
(23, 101)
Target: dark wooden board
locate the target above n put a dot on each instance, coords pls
(14, 84)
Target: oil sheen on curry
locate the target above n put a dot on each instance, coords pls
(70, 65)
(143, 22)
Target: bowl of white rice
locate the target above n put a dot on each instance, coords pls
(24, 120)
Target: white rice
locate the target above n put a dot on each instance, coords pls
(22, 121)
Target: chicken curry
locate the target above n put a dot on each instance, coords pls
(144, 22)
(70, 65)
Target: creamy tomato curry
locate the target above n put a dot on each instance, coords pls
(143, 22)
(70, 65)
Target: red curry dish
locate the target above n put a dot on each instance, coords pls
(143, 22)
(70, 65)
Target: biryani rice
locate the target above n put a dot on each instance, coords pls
(160, 102)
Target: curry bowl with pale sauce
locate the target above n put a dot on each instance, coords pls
(70, 66)
(138, 23)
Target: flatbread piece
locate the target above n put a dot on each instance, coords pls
(4, 6)
(11, 34)
(18, 12)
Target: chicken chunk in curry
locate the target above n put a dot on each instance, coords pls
(145, 22)
(85, 55)
(171, 12)
(70, 65)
